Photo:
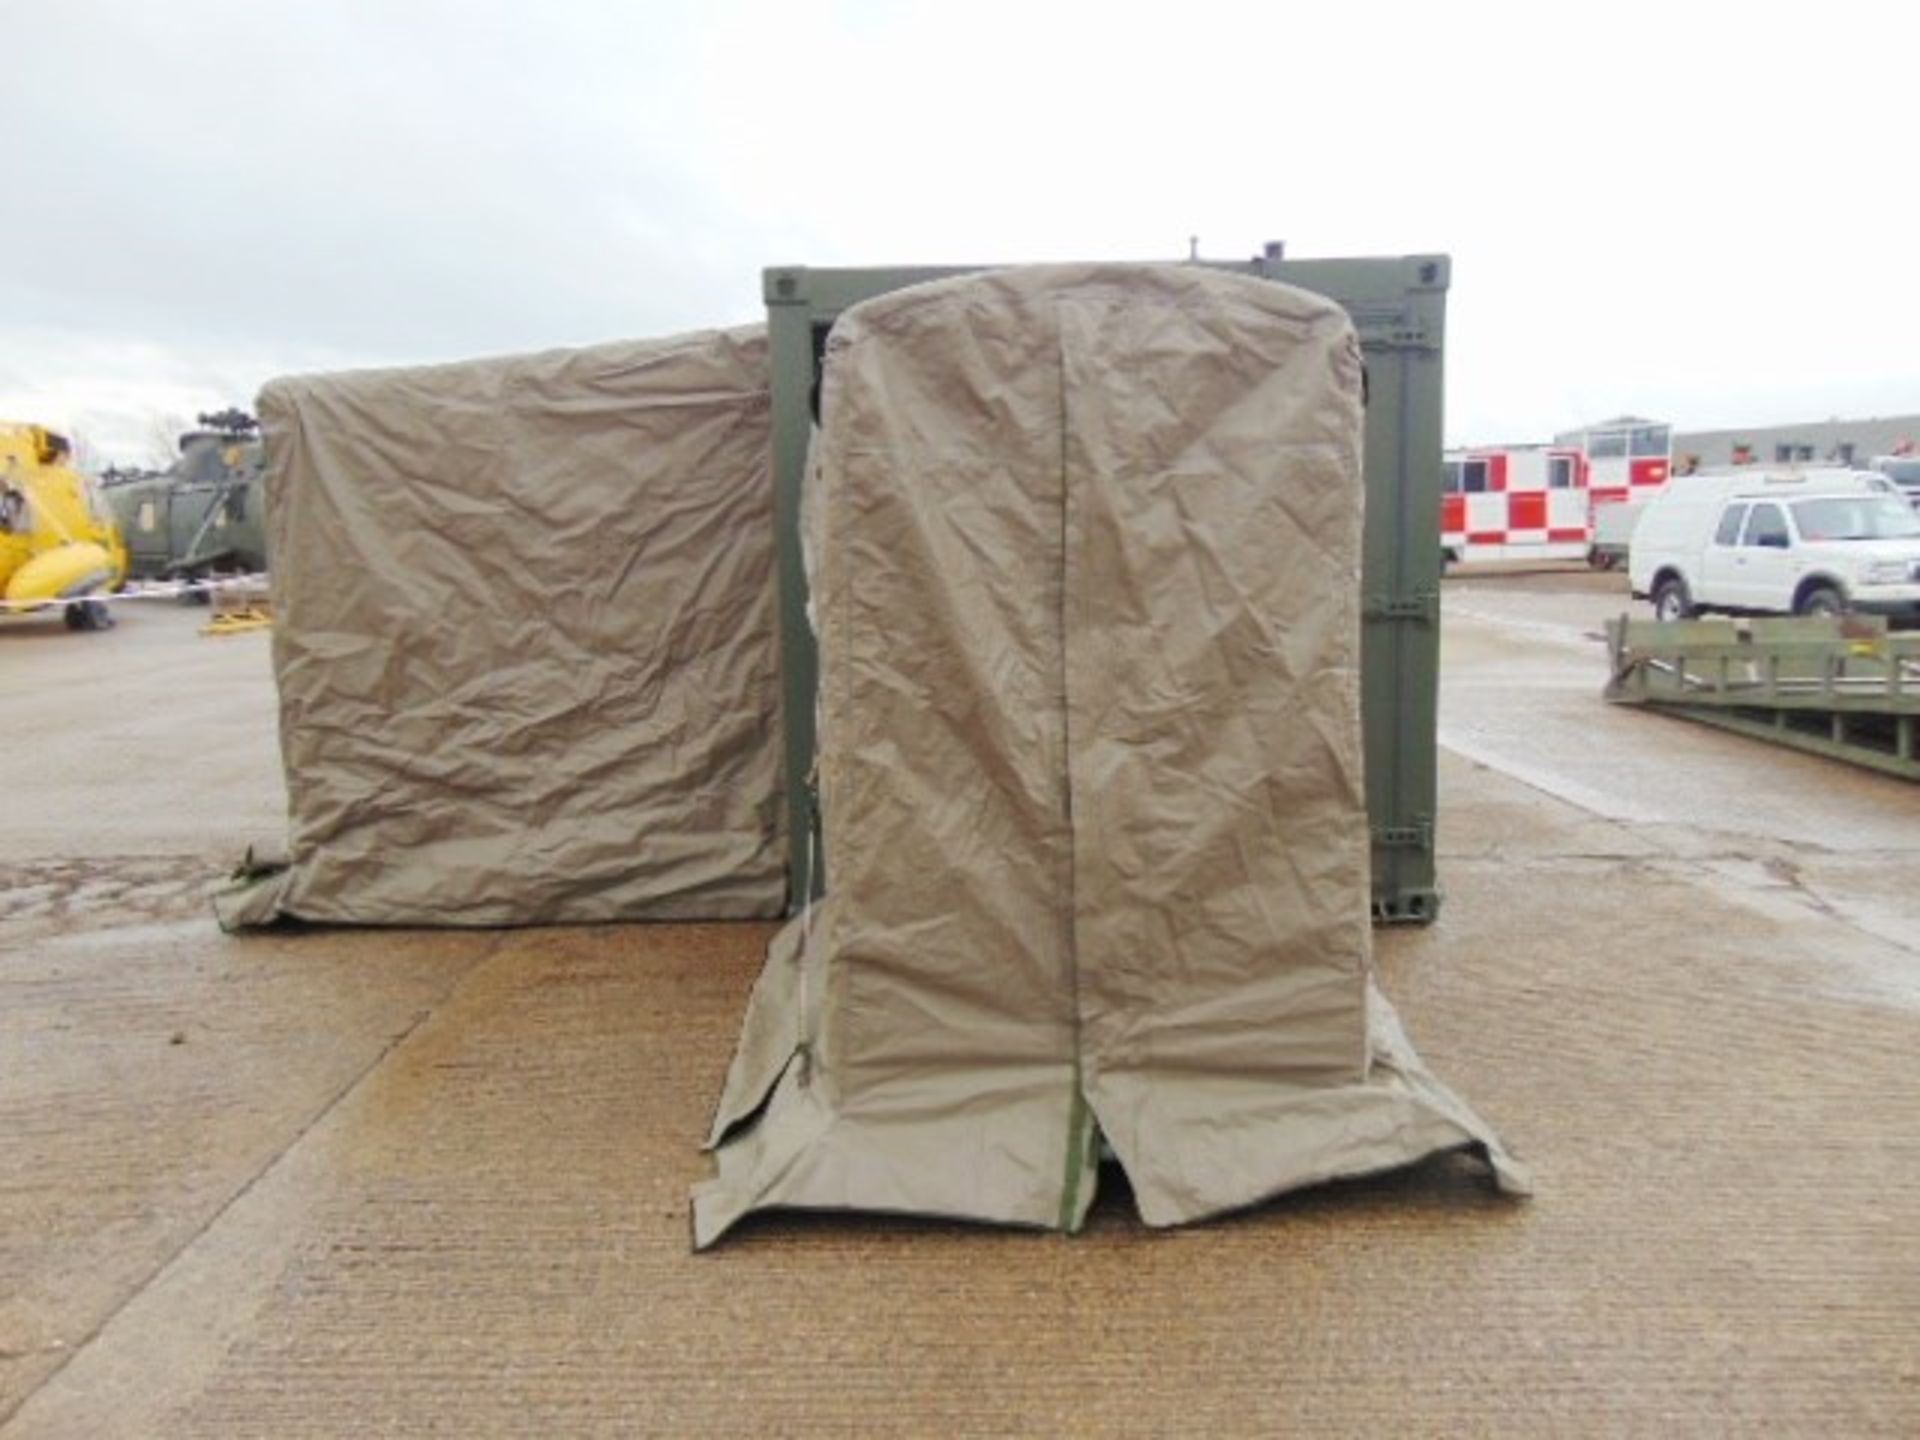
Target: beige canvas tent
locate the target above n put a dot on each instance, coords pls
(525, 641)
(1086, 549)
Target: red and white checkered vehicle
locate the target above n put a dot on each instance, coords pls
(1627, 459)
(1536, 502)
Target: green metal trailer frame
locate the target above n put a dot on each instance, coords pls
(1846, 686)
(1398, 305)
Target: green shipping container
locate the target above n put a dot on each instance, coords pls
(1398, 305)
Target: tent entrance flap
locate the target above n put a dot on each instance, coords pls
(1086, 550)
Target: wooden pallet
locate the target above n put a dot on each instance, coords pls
(238, 608)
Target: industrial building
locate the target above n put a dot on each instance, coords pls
(1843, 442)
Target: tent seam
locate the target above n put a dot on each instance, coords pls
(1078, 1114)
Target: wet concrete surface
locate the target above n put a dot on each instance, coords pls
(1520, 657)
(332, 1183)
(147, 740)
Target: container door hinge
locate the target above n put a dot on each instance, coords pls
(1417, 836)
(1423, 606)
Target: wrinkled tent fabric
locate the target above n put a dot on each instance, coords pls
(1086, 546)
(525, 639)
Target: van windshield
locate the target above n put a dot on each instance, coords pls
(1855, 517)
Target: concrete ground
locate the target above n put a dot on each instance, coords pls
(375, 1183)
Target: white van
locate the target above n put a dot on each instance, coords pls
(1801, 542)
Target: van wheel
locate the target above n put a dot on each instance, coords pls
(1821, 600)
(1672, 600)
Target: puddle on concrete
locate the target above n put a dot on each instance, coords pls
(54, 895)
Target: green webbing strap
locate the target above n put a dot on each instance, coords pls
(1079, 1153)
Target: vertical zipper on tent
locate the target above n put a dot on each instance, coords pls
(1079, 1116)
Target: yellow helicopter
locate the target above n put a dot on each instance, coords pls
(58, 543)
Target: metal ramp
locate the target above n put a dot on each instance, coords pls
(1842, 686)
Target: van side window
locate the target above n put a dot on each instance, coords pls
(1767, 526)
(1729, 531)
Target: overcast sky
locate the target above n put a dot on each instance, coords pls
(1705, 214)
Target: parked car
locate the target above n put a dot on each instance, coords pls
(1813, 542)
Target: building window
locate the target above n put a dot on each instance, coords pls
(1650, 440)
(1560, 475)
(1450, 484)
(1607, 444)
(1803, 452)
(1843, 452)
(1473, 476)
(1782, 454)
